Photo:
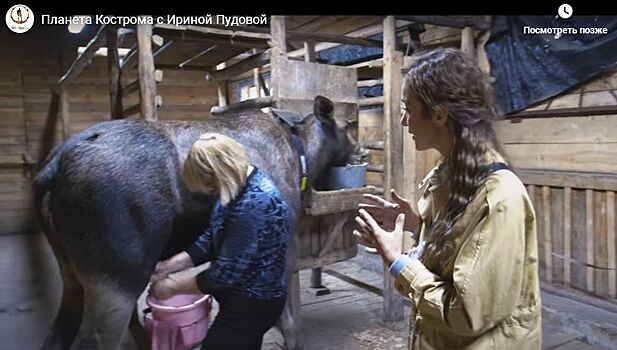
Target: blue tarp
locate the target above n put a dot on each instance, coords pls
(530, 66)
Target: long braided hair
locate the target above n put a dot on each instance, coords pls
(447, 78)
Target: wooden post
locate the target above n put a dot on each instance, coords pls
(113, 65)
(256, 77)
(467, 42)
(147, 83)
(278, 25)
(610, 237)
(309, 51)
(64, 114)
(393, 305)
(256, 82)
(290, 319)
(221, 87)
(309, 56)
(278, 28)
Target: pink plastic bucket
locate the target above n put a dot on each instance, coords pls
(180, 322)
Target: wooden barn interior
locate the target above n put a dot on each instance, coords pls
(54, 84)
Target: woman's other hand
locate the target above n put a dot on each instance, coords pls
(389, 244)
(164, 288)
(178, 262)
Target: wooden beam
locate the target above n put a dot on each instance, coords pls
(147, 83)
(595, 181)
(217, 30)
(82, 60)
(130, 60)
(163, 48)
(206, 69)
(354, 38)
(199, 38)
(262, 33)
(566, 112)
(374, 145)
(580, 157)
(376, 63)
(597, 129)
(113, 67)
(130, 88)
(335, 202)
(392, 84)
(260, 102)
(369, 101)
(445, 21)
(254, 61)
(293, 35)
(332, 38)
(362, 32)
(135, 109)
(200, 54)
(64, 114)
(370, 83)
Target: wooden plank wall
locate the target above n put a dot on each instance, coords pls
(370, 129)
(24, 102)
(21, 99)
(569, 169)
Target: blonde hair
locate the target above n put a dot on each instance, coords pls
(216, 160)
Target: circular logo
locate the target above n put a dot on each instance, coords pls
(565, 11)
(19, 18)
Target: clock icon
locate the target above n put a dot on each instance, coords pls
(565, 11)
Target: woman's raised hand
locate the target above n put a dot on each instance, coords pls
(386, 212)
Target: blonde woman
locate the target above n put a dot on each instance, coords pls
(473, 277)
(246, 243)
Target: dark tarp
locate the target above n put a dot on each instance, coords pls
(349, 54)
(532, 67)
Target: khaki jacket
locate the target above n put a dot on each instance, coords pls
(488, 296)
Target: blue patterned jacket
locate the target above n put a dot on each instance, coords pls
(246, 242)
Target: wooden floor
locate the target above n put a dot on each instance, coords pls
(349, 318)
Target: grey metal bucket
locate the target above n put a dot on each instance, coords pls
(349, 176)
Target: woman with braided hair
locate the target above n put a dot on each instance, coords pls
(473, 273)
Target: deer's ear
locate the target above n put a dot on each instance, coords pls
(324, 109)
